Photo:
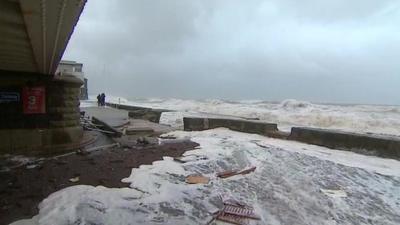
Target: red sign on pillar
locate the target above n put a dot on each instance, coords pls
(34, 100)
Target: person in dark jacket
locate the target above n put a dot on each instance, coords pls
(103, 99)
(98, 100)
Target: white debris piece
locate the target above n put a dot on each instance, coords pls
(74, 179)
(334, 193)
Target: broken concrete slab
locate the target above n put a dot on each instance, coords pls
(157, 128)
(105, 126)
(146, 114)
(138, 112)
(113, 117)
(138, 130)
(133, 108)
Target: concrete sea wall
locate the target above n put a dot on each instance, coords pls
(382, 146)
(254, 127)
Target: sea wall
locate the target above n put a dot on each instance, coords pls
(255, 127)
(382, 146)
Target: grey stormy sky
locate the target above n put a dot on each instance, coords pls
(315, 50)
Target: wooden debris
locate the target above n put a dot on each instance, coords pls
(230, 173)
(247, 171)
(197, 179)
(190, 158)
(241, 211)
(226, 174)
(235, 212)
(234, 219)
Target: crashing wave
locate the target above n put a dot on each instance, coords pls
(289, 113)
(294, 104)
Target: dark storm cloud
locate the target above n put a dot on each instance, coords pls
(340, 51)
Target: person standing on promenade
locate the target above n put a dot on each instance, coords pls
(99, 100)
(103, 99)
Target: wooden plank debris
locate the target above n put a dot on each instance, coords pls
(230, 173)
(197, 179)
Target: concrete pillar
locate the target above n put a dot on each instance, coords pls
(38, 130)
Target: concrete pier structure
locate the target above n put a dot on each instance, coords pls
(39, 111)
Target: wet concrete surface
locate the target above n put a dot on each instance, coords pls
(22, 189)
(111, 116)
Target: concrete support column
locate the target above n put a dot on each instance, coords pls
(63, 110)
(58, 124)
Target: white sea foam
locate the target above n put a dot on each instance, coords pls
(358, 118)
(88, 103)
(289, 186)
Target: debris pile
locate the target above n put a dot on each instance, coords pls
(235, 212)
(232, 211)
(88, 124)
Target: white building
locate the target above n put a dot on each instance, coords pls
(75, 69)
(70, 67)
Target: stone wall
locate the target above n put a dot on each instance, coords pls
(63, 102)
(31, 133)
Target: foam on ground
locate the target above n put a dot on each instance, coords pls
(289, 186)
